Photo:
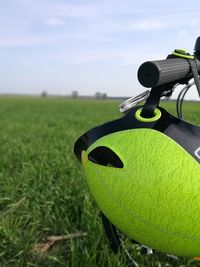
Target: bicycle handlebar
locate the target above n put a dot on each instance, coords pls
(160, 72)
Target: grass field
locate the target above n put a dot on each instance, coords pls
(42, 188)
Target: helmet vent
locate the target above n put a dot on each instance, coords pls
(103, 155)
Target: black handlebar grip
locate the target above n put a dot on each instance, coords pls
(159, 72)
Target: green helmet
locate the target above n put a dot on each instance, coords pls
(145, 176)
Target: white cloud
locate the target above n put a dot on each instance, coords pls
(150, 24)
(194, 22)
(54, 22)
(60, 9)
(123, 58)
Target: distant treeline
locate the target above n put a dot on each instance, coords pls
(104, 96)
(76, 95)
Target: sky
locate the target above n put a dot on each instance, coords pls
(89, 46)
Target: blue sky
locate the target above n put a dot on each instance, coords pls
(89, 46)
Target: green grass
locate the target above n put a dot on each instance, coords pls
(42, 188)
